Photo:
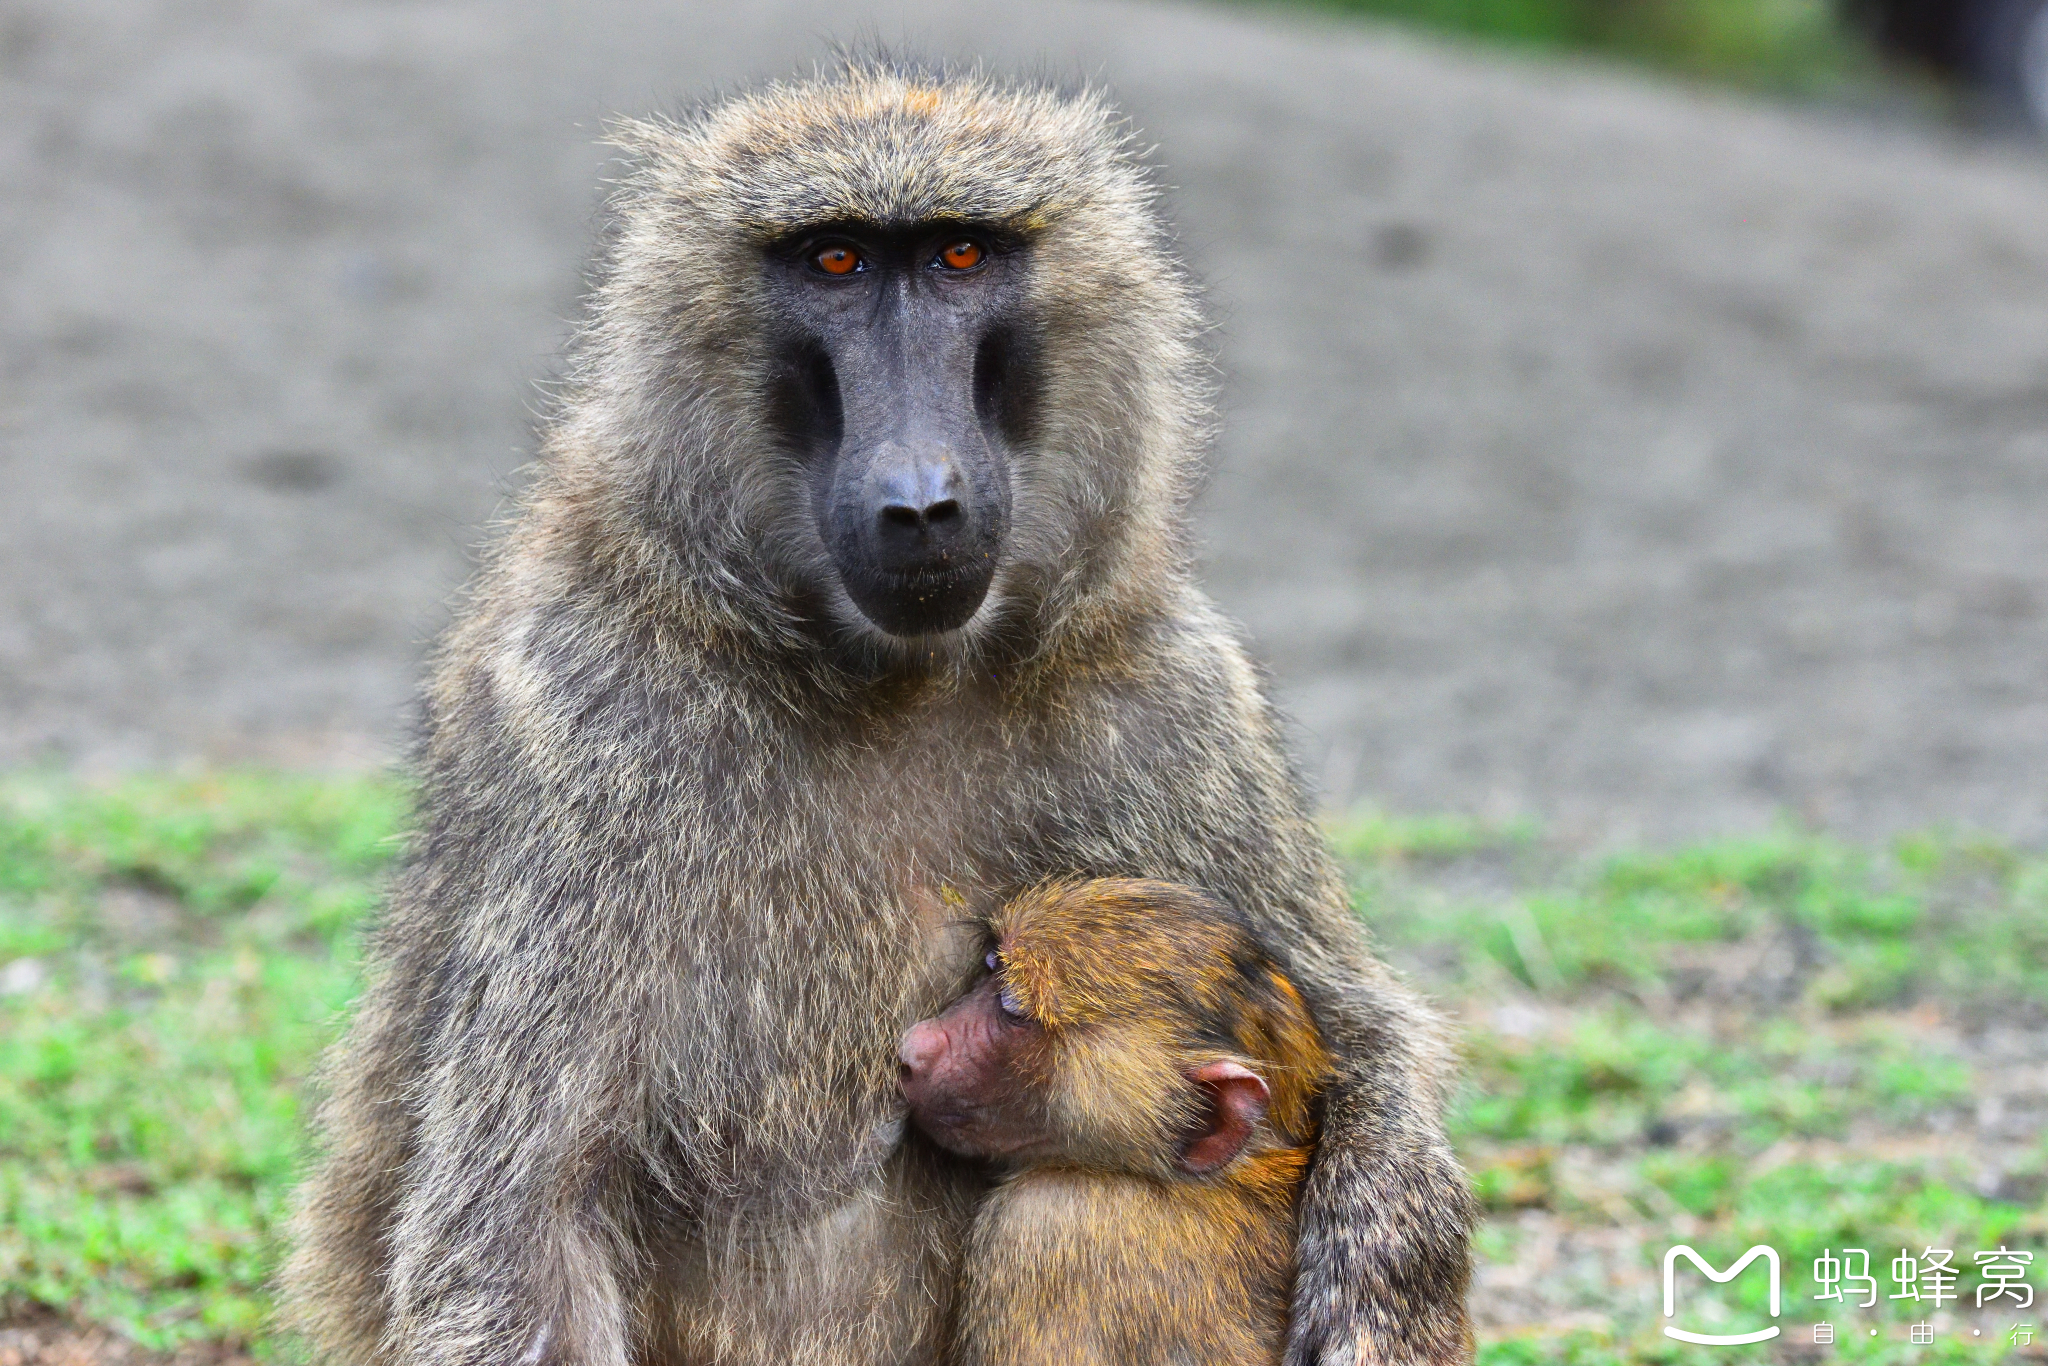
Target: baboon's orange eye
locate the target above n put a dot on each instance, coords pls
(837, 260)
(962, 255)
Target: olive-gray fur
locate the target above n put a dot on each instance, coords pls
(696, 844)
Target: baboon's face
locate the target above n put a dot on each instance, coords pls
(976, 1076)
(1118, 1090)
(903, 386)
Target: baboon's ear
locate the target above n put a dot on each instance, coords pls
(1237, 1102)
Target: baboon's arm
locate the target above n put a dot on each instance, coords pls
(507, 1248)
(1386, 1214)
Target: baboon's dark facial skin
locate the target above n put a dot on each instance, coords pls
(903, 387)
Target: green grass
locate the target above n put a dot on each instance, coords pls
(1944, 919)
(176, 954)
(1793, 45)
(1757, 1040)
(1764, 1040)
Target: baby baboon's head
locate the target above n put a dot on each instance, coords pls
(1125, 1025)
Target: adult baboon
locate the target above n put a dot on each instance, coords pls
(852, 597)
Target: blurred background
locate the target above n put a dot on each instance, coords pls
(1634, 471)
(1646, 455)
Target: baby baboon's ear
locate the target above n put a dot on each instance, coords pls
(1237, 1099)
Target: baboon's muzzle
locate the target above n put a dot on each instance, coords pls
(918, 497)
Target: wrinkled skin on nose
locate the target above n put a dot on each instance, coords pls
(968, 1076)
(917, 503)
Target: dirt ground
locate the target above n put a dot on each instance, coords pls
(1646, 461)
(1592, 1263)
(43, 1339)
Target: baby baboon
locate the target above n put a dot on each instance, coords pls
(852, 590)
(1147, 1078)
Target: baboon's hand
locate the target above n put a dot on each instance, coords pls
(1382, 1251)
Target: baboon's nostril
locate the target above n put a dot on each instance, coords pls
(944, 518)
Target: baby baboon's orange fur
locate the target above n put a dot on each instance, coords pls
(1108, 1242)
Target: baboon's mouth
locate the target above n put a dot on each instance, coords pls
(921, 603)
(951, 1129)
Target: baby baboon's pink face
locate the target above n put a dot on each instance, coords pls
(974, 1077)
(983, 1078)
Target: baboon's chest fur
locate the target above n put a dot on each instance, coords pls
(797, 894)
